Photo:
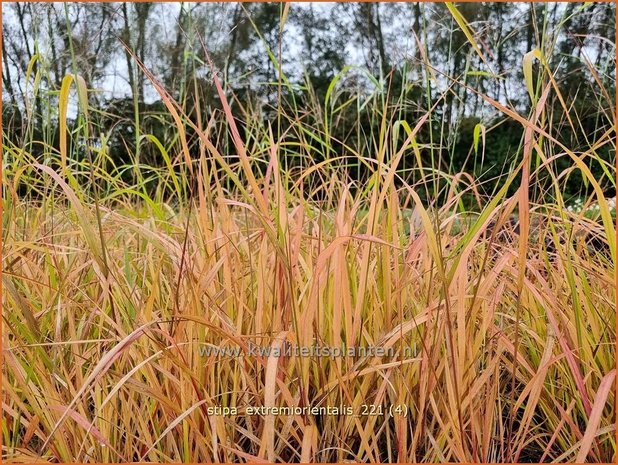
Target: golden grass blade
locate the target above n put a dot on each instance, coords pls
(465, 28)
(595, 416)
(267, 447)
(63, 102)
(309, 438)
(527, 65)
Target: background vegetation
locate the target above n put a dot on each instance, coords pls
(387, 47)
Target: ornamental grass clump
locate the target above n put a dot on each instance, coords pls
(132, 314)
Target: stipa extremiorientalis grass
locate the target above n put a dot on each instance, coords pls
(497, 335)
